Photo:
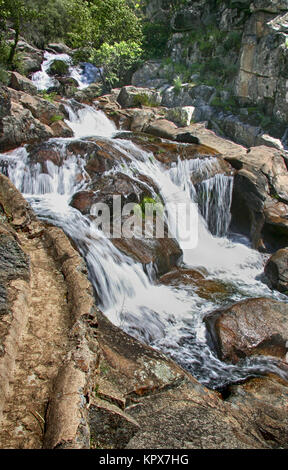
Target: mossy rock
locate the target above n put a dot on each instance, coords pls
(58, 67)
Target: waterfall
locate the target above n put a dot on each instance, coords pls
(168, 318)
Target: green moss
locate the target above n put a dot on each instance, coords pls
(142, 99)
(56, 118)
(58, 67)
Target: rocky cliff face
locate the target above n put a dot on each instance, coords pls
(238, 47)
(263, 68)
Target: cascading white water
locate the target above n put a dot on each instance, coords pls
(126, 294)
(84, 75)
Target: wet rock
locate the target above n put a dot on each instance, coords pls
(58, 68)
(45, 152)
(83, 201)
(206, 288)
(253, 326)
(262, 175)
(275, 229)
(21, 83)
(168, 152)
(133, 97)
(100, 154)
(67, 86)
(61, 129)
(249, 194)
(161, 253)
(276, 270)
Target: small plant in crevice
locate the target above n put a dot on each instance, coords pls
(177, 85)
(48, 96)
(56, 118)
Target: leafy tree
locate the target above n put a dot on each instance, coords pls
(18, 13)
(117, 61)
(114, 21)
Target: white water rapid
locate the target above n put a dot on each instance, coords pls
(84, 74)
(168, 318)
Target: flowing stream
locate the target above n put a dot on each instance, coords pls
(84, 74)
(166, 317)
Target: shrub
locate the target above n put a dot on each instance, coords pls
(177, 84)
(117, 62)
(156, 36)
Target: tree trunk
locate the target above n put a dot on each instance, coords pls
(14, 45)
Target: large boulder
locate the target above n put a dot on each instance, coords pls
(58, 68)
(133, 97)
(182, 116)
(21, 127)
(31, 58)
(275, 229)
(263, 400)
(253, 326)
(262, 175)
(209, 289)
(160, 254)
(5, 102)
(188, 95)
(276, 270)
(21, 83)
(146, 75)
(59, 48)
(145, 400)
(28, 119)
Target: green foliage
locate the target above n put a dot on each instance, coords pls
(18, 13)
(117, 61)
(156, 36)
(4, 76)
(48, 96)
(177, 84)
(233, 41)
(56, 118)
(114, 21)
(154, 204)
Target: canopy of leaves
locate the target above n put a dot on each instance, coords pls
(116, 61)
